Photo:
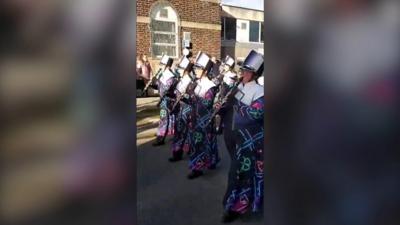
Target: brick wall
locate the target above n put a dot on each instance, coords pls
(142, 39)
(207, 40)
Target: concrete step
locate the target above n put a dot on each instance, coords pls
(147, 120)
(140, 102)
(147, 133)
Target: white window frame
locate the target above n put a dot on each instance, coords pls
(155, 10)
(259, 32)
(242, 35)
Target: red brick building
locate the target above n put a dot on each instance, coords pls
(162, 27)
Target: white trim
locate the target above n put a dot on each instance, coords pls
(242, 35)
(240, 7)
(164, 44)
(188, 24)
(212, 1)
(209, 26)
(164, 32)
(240, 13)
(248, 42)
(143, 19)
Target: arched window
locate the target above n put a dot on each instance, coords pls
(164, 30)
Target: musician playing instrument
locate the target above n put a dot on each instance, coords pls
(245, 181)
(182, 109)
(166, 84)
(203, 139)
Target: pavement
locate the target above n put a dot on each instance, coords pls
(147, 117)
(164, 194)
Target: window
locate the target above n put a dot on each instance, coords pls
(254, 31)
(186, 35)
(164, 30)
(164, 13)
(186, 40)
(228, 31)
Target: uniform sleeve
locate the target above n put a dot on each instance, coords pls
(209, 97)
(167, 88)
(191, 96)
(256, 109)
(170, 82)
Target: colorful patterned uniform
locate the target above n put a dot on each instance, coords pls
(165, 87)
(203, 140)
(180, 142)
(245, 182)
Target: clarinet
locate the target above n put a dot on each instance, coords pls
(224, 100)
(176, 73)
(178, 99)
(153, 79)
(219, 79)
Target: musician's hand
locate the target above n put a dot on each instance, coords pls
(190, 90)
(186, 96)
(218, 105)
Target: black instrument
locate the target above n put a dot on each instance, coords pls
(223, 100)
(228, 61)
(176, 73)
(192, 85)
(218, 79)
(152, 81)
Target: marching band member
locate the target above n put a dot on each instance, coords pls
(165, 87)
(180, 142)
(245, 181)
(203, 140)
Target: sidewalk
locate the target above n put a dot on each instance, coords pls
(147, 117)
